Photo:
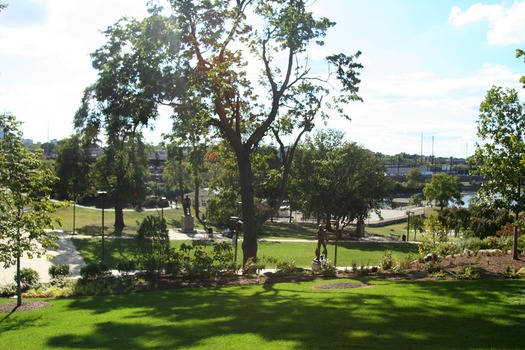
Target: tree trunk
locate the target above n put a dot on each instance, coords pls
(119, 214)
(181, 178)
(515, 240)
(249, 245)
(18, 282)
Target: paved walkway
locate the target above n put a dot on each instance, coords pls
(66, 253)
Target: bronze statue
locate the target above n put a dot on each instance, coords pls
(186, 205)
(321, 241)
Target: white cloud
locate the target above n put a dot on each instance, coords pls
(399, 108)
(506, 26)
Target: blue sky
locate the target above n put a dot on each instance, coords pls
(427, 65)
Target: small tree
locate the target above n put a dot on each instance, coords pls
(443, 188)
(153, 244)
(25, 204)
(414, 178)
(501, 158)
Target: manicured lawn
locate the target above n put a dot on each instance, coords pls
(89, 221)
(384, 315)
(302, 252)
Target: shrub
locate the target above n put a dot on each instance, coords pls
(62, 290)
(253, 267)
(94, 271)
(387, 261)
(472, 244)
(434, 268)
(8, 290)
(328, 269)
(125, 267)
(223, 256)
(467, 273)
(285, 268)
(153, 244)
(29, 278)
(512, 273)
(60, 270)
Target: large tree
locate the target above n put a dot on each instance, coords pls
(123, 101)
(311, 185)
(220, 41)
(501, 154)
(25, 204)
(359, 184)
(340, 181)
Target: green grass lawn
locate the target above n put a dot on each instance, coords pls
(348, 253)
(89, 221)
(486, 314)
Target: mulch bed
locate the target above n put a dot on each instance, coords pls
(489, 267)
(26, 306)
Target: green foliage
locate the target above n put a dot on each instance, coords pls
(387, 261)
(435, 234)
(221, 208)
(456, 219)
(94, 271)
(125, 267)
(25, 203)
(105, 285)
(487, 219)
(337, 179)
(59, 271)
(63, 289)
(195, 261)
(469, 244)
(223, 257)
(443, 188)
(499, 156)
(286, 268)
(391, 264)
(72, 168)
(328, 269)
(153, 244)
(414, 179)
(29, 278)
(8, 290)
(466, 273)
(434, 268)
(520, 53)
(513, 273)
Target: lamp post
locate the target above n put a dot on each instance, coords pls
(102, 194)
(408, 222)
(162, 200)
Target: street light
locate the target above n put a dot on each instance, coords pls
(162, 201)
(102, 194)
(408, 222)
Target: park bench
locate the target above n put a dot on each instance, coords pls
(394, 236)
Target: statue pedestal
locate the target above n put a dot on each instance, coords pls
(187, 224)
(316, 265)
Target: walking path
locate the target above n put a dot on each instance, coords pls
(66, 253)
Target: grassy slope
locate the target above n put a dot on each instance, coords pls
(385, 315)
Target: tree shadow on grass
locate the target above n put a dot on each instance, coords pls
(386, 315)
